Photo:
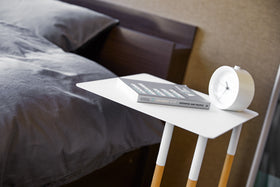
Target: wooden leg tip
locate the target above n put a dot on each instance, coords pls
(157, 176)
(191, 183)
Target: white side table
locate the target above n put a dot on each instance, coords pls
(205, 123)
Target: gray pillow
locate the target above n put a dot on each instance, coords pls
(68, 26)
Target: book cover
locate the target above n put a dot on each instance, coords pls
(165, 94)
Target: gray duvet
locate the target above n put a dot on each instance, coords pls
(52, 132)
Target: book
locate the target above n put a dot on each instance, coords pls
(164, 93)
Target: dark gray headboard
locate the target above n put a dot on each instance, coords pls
(143, 42)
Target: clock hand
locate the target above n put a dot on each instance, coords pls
(224, 84)
(222, 94)
(226, 89)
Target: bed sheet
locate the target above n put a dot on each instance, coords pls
(51, 131)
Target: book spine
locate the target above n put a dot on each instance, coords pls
(174, 102)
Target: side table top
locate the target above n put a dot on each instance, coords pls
(208, 123)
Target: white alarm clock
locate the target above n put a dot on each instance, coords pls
(231, 88)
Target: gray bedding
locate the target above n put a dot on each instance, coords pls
(68, 26)
(52, 132)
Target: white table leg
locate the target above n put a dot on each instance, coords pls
(162, 154)
(197, 161)
(230, 155)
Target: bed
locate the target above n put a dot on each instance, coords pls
(53, 133)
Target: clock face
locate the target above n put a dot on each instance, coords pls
(224, 87)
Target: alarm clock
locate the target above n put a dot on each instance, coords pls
(231, 88)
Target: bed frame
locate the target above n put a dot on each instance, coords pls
(141, 43)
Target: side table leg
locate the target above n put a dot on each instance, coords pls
(197, 161)
(162, 154)
(230, 156)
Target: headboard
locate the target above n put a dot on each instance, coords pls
(142, 42)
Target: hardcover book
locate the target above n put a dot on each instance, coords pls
(164, 93)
